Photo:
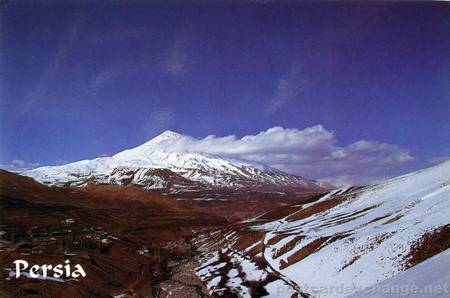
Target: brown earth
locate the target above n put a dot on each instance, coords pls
(123, 237)
(429, 245)
(238, 205)
(303, 252)
(130, 241)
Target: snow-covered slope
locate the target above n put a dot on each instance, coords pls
(345, 241)
(430, 279)
(155, 165)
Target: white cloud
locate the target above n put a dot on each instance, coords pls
(60, 161)
(113, 73)
(18, 165)
(287, 88)
(159, 119)
(104, 77)
(39, 88)
(18, 162)
(175, 62)
(311, 152)
(438, 160)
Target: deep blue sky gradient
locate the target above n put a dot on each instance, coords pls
(82, 79)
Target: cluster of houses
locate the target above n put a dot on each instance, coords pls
(66, 238)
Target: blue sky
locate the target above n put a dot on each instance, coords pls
(80, 80)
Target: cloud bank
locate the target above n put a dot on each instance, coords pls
(311, 152)
(18, 165)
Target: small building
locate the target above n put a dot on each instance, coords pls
(40, 249)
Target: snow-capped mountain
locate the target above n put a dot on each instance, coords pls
(346, 241)
(156, 165)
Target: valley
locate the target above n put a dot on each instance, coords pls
(131, 242)
(127, 246)
(154, 223)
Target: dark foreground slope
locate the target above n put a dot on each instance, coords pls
(125, 238)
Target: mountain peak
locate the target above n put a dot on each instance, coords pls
(166, 135)
(166, 151)
(170, 133)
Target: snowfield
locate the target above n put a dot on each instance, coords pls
(428, 279)
(349, 239)
(154, 165)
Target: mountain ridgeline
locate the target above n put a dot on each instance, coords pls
(158, 165)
